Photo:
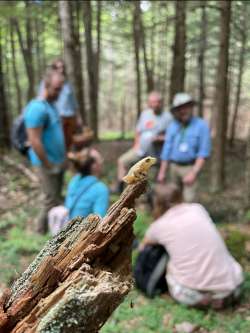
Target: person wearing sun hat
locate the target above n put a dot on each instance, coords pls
(186, 148)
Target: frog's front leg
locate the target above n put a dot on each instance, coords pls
(139, 174)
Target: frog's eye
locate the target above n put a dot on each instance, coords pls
(148, 160)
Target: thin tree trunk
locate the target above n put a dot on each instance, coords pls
(72, 53)
(137, 42)
(221, 99)
(27, 54)
(247, 173)
(148, 70)
(15, 71)
(92, 62)
(123, 118)
(38, 50)
(4, 118)
(201, 58)
(179, 50)
(239, 80)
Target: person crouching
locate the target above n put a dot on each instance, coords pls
(200, 270)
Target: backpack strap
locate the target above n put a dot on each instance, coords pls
(80, 194)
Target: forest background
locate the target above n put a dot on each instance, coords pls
(116, 52)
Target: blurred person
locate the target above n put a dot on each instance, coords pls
(47, 147)
(200, 270)
(86, 193)
(150, 129)
(65, 103)
(186, 147)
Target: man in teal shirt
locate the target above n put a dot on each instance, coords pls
(47, 148)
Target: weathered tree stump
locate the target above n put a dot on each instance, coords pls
(79, 277)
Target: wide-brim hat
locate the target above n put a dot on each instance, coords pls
(181, 99)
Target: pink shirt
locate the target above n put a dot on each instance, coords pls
(199, 258)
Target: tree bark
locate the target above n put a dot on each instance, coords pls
(15, 71)
(92, 61)
(148, 68)
(79, 277)
(72, 53)
(4, 118)
(26, 48)
(201, 58)
(221, 99)
(137, 43)
(39, 66)
(178, 65)
(239, 79)
(247, 173)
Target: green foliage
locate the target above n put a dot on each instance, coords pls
(17, 245)
(141, 224)
(236, 243)
(160, 315)
(113, 135)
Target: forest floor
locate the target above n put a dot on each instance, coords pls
(19, 202)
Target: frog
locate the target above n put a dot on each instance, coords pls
(139, 170)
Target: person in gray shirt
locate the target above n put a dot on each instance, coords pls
(150, 129)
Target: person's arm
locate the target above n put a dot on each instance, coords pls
(159, 138)
(202, 155)
(165, 155)
(190, 177)
(162, 171)
(146, 241)
(34, 137)
(101, 202)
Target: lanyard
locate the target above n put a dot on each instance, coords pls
(183, 132)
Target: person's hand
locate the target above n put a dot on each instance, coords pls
(161, 176)
(48, 165)
(53, 169)
(189, 178)
(141, 246)
(159, 138)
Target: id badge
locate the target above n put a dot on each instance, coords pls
(183, 147)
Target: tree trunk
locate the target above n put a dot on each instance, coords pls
(239, 79)
(247, 173)
(201, 58)
(15, 71)
(80, 72)
(179, 50)
(79, 277)
(92, 62)
(221, 99)
(72, 53)
(4, 119)
(40, 69)
(137, 42)
(148, 69)
(26, 49)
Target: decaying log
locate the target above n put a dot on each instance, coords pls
(79, 277)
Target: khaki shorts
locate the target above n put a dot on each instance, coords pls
(129, 158)
(192, 297)
(177, 172)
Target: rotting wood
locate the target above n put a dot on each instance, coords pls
(79, 277)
